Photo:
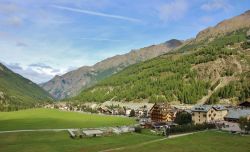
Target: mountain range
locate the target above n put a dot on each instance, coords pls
(214, 67)
(71, 83)
(211, 68)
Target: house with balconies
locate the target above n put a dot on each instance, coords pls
(208, 113)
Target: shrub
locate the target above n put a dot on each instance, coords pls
(132, 113)
(190, 128)
(138, 129)
(183, 118)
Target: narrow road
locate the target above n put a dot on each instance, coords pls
(32, 130)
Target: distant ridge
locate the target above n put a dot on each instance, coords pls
(214, 67)
(71, 83)
(226, 26)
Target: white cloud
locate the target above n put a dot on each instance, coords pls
(37, 72)
(96, 13)
(216, 5)
(173, 10)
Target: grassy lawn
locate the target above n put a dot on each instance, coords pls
(49, 119)
(210, 141)
(61, 142)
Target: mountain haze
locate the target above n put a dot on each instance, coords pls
(71, 83)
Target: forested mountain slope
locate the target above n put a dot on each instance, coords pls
(17, 92)
(205, 70)
(71, 83)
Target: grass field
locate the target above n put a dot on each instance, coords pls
(49, 141)
(210, 141)
(60, 142)
(50, 119)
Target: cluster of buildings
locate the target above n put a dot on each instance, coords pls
(107, 108)
(163, 112)
(159, 114)
(217, 113)
(225, 116)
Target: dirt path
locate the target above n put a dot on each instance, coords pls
(223, 82)
(149, 142)
(32, 130)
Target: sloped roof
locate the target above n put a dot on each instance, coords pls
(206, 108)
(219, 107)
(92, 132)
(201, 108)
(237, 113)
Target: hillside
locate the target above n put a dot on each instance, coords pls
(16, 92)
(209, 68)
(71, 83)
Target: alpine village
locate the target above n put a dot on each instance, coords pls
(179, 95)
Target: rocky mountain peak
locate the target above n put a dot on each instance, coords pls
(226, 26)
(173, 43)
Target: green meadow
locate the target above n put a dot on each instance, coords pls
(61, 142)
(56, 119)
(210, 141)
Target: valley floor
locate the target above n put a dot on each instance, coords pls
(59, 141)
(36, 130)
(56, 119)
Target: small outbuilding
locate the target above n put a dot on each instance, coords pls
(92, 133)
(235, 114)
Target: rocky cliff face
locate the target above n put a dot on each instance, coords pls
(71, 83)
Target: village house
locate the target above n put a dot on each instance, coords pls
(143, 111)
(162, 112)
(104, 110)
(235, 114)
(128, 111)
(208, 113)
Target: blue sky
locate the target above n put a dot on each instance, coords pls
(39, 39)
